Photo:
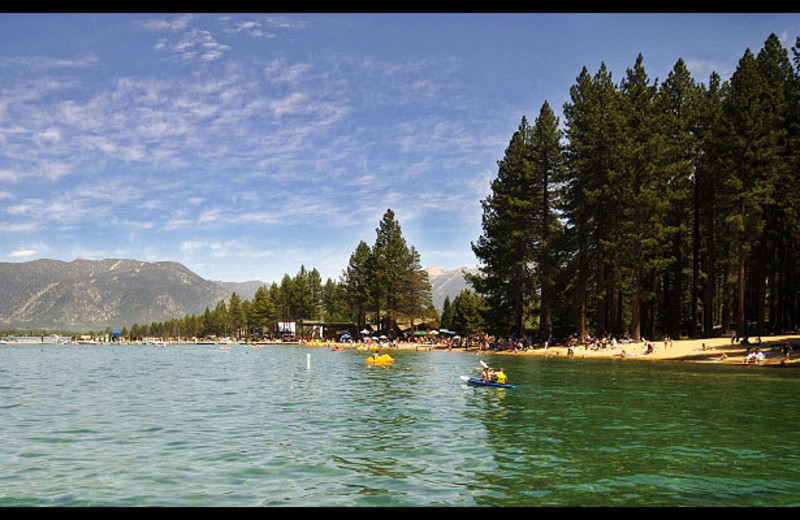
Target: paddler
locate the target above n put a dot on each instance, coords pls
(501, 376)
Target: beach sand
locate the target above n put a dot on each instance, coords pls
(710, 350)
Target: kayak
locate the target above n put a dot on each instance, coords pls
(384, 359)
(478, 382)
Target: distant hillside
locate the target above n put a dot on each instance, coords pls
(92, 295)
(244, 290)
(447, 283)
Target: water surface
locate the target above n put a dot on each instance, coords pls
(292, 426)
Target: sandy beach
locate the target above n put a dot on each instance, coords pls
(711, 350)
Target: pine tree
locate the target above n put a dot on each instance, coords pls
(467, 314)
(356, 281)
(262, 311)
(334, 302)
(446, 321)
(235, 315)
(399, 284)
(639, 193)
(505, 248)
(414, 290)
(775, 165)
(594, 129)
(708, 172)
(678, 100)
(547, 172)
(749, 185)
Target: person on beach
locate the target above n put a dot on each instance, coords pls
(756, 356)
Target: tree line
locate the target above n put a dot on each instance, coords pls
(384, 286)
(658, 208)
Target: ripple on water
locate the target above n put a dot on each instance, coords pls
(195, 426)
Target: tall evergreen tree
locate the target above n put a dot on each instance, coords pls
(749, 184)
(446, 321)
(334, 302)
(547, 174)
(678, 101)
(356, 280)
(414, 290)
(467, 311)
(235, 315)
(262, 311)
(505, 248)
(594, 129)
(775, 165)
(399, 283)
(708, 172)
(638, 190)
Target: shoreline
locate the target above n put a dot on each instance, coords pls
(708, 350)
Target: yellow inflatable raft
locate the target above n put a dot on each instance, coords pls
(383, 359)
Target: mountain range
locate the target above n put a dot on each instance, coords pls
(92, 295)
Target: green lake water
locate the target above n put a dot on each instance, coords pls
(195, 426)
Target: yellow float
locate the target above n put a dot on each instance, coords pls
(384, 359)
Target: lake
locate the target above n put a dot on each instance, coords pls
(194, 426)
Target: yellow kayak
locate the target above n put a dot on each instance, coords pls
(380, 360)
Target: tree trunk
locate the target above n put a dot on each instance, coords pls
(636, 318)
(695, 262)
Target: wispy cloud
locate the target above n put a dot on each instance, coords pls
(24, 253)
(47, 62)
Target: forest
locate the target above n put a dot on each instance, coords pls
(654, 208)
(383, 286)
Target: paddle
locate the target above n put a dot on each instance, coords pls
(483, 364)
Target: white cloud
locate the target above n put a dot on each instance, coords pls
(175, 24)
(45, 62)
(193, 44)
(24, 253)
(9, 175)
(279, 71)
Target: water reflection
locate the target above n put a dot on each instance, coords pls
(196, 426)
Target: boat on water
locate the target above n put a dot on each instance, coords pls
(474, 381)
(384, 359)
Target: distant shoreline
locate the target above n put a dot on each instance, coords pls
(709, 350)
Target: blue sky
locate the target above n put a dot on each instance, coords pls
(245, 145)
